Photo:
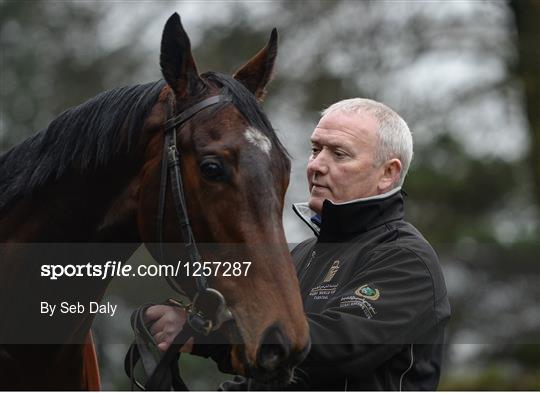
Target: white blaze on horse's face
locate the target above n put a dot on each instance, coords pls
(258, 139)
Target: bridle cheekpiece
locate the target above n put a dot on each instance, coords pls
(171, 171)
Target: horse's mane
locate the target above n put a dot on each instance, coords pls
(86, 134)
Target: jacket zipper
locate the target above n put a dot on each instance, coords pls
(313, 254)
(306, 267)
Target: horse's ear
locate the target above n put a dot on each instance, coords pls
(257, 72)
(177, 63)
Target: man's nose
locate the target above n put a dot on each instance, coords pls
(318, 164)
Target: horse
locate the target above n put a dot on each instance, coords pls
(92, 181)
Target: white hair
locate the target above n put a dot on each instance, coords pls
(395, 138)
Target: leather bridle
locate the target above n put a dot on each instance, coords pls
(171, 171)
(164, 374)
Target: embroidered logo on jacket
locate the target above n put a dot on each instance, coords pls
(355, 301)
(367, 292)
(332, 271)
(323, 291)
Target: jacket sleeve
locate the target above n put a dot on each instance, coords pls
(214, 346)
(388, 302)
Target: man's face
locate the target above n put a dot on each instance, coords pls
(342, 167)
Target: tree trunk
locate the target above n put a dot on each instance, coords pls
(527, 19)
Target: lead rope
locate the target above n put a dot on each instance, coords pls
(164, 373)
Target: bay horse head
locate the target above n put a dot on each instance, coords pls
(92, 179)
(235, 173)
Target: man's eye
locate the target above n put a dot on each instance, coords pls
(315, 151)
(339, 154)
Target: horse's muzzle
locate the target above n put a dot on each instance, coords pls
(276, 359)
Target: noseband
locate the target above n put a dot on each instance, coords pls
(170, 170)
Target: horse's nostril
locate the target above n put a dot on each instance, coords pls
(274, 350)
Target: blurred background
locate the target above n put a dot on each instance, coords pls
(465, 75)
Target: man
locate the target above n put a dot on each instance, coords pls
(372, 286)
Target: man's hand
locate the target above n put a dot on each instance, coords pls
(165, 323)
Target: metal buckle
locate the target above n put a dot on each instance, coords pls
(201, 322)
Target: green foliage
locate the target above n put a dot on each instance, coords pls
(49, 64)
(497, 378)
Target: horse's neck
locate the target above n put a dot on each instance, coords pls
(76, 220)
(77, 208)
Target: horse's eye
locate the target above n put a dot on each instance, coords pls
(212, 169)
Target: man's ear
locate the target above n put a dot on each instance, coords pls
(390, 176)
(177, 63)
(257, 72)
